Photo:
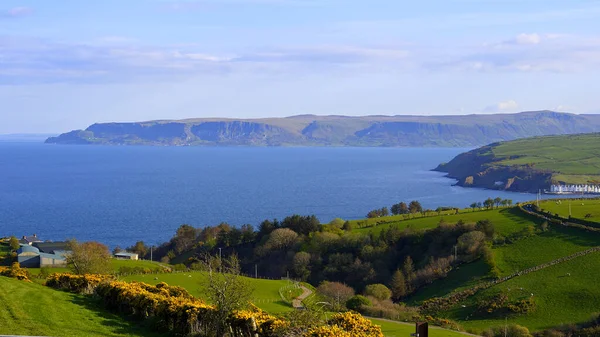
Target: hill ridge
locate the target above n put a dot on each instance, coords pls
(336, 130)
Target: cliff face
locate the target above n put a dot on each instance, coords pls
(447, 131)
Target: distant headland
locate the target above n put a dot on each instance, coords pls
(311, 130)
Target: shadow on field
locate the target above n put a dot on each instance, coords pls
(119, 325)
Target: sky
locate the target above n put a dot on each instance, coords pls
(66, 64)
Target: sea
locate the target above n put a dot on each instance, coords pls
(118, 195)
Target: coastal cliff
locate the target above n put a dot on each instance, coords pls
(528, 165)
(311, 130)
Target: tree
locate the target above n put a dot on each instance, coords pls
(185, 238)
(379, 291)
(398, 285)
(415, 207)
(336, 292)
(301, 265)
(497, 201)
(511, 330)
(471, 243)
(117, 249)
(403, 208)
(13, 242)
(88, 258)
(139, 248)
(488, 203)
(227, 291)
(409, 272)
(473, 206)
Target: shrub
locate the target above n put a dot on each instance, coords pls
(356, 302)
(512, 330)
(79, 284)
(379, 291)
(15, 271)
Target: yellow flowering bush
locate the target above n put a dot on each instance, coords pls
(80, 284)
(15, 271)
(266, 325)
(352, 324)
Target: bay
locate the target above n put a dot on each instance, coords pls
(119, 195)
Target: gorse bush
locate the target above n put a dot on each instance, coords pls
(79, 284)
(15, 271)
(173, 309)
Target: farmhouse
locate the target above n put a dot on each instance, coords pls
(31, 257)
(29, 240)
(126, 256)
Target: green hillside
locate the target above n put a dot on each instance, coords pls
(529, 164)
(35, 310)
(265, 294)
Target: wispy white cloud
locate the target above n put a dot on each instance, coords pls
(506, 106)
(527, 53)
(16, 12)
(36, 60)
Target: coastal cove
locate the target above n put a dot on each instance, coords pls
(119, 195)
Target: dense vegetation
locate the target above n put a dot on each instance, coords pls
(529, 164)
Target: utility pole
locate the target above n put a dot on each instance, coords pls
(220, 261)
(256, 271)
(455, 252)
(151, 253)
(569, 208)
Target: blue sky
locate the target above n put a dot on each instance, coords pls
(68, 63)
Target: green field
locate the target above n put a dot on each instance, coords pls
(579, 208)
(34, 310)
(560, 298)
(505, 220)
(567, 155)
(394, 329)
(265, 295)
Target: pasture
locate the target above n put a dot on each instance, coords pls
(32, 309)
(265, 292)
(579, 208)
(505, 220)
(565, 293)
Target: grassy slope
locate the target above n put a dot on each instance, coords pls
(559, 298)
(579, 208)
(392, 329)
(32, 309)
(506, 221)
(266, 292)
(571, 156)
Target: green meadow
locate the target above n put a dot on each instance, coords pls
(564, 294)
(579, 208)
(34, 310)
(505, 220)
(265, 292)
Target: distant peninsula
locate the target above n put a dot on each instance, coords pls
(311, 130)
(529, 165)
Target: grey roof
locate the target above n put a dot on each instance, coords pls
(51, 247)
(28, 249)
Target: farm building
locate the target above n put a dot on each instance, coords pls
(29, 240)
(31, 257)
(126, 256)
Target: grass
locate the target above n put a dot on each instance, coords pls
(579, 208)
(567, 154)
(505, 220)
(32, 309)
(557, 242)
(265, 295)
(394, 329)
(560, 299)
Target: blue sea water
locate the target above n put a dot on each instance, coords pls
(118, 195)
